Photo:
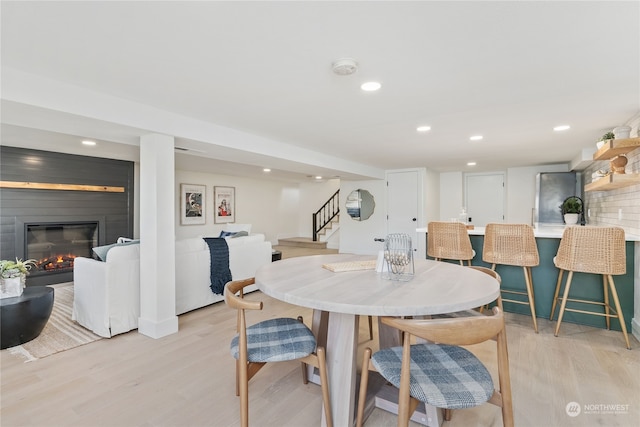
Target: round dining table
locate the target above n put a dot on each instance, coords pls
(435, 288)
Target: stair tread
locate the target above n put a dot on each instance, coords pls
(301, 242)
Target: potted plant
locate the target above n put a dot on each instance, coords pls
(571, 209)
(13, 276)
(607, 136)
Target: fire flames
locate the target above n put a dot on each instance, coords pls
(56, 262)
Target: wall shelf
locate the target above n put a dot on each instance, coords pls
(615, 147)
(613, 181)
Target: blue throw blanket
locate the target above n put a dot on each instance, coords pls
(220, 272)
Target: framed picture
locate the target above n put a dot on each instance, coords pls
(224, 199)
(192, 204)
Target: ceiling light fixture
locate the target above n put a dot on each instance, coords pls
(476, 138)
(423, 128)
(345, 66)
(87, 142)
(471, 163)
(318, 177)
(370, 86)
(266, 170)
(561, 128)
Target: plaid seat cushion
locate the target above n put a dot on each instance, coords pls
(442, 375)
(276, 340)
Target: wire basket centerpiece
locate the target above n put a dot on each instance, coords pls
(398, 257)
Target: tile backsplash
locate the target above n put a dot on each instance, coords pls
(619, 207)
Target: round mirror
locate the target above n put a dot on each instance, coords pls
(360, 204)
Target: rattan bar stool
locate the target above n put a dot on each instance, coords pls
(513, 244)
(596, 250)
(449, 240)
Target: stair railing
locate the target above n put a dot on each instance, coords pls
(325, 214)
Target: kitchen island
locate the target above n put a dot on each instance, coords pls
(585, 286)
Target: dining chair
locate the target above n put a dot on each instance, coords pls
(595, 250)
(441, 372)
(513, 244)
(449, 240)
(476, 311)
(272, 340)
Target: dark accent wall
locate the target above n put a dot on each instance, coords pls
(19, 164)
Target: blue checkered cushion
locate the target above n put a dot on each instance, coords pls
(276, 340)
(442, 375)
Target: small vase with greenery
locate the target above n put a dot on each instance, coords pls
(13, 276)
(571, 209)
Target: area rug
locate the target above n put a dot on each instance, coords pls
(60, 333)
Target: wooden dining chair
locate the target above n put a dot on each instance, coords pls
(595, 250)
(273, 340)
(441, 373)
(513, 244)
(449, 240)
(479, 310)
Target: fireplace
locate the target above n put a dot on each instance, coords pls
(54, 245)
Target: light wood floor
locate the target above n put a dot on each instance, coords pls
(187, 379)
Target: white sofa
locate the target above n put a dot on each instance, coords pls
(107, 294)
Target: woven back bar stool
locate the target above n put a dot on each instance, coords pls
(513, 244)
(449, 240)
(596, 250)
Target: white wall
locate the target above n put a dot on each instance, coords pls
(521, 191)
(357, 236)
(431, 197)
(451, 195)
(270, 206)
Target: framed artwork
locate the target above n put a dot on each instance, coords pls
(224, 199)
(192, 204)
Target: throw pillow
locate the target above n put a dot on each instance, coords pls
(102, 251)
(227, 234)
(238, 227)
(239, 234)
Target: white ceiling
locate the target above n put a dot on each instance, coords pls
(510, 71)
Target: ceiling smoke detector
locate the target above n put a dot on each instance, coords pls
(345, 66)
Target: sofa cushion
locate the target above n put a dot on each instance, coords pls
(102, 251)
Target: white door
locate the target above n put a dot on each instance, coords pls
(484, 196)
(404, 206)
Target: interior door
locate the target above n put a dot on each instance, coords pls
(484, 198)
(404, 202)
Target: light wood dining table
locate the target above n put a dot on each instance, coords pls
(436, 288)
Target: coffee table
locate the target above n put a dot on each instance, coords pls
(23, 318)
(437, 288)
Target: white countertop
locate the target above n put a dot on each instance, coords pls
(543, 231)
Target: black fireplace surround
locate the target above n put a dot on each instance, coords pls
(38, 217)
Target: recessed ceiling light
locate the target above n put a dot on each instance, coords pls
(87, 142)
(561, 128)
(476, 138)
(471, 163)
(318, 177)
(370, 86)
(423, 128)
(266, 170)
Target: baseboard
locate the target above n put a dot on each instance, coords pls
(635, 328)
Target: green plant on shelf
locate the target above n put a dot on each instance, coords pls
(607, 136)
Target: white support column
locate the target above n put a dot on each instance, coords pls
(157, 237)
